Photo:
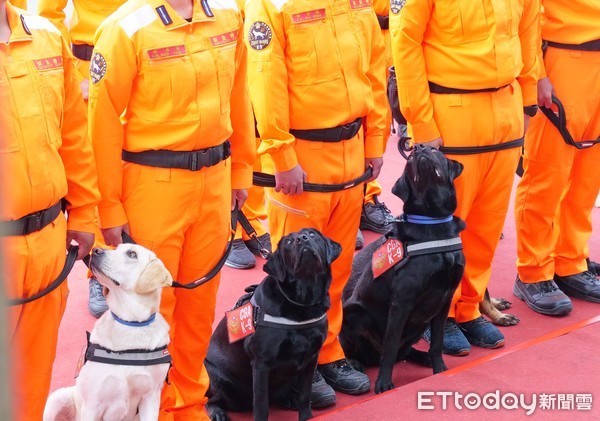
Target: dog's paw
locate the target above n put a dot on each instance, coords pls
(383, 386)
(217, 414)
(501, 303)
(507, 320)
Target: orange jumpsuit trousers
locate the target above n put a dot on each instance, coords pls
(556, 195)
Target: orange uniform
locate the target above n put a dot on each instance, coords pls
(45, 156)
(488, 44)
(556, 194)
(317, 65)
(161, 83)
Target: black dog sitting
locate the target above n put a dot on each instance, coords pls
(405, 280)
(277, 362)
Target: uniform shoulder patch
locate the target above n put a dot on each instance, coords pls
(97, 67)
(396, 6)
(259, 35)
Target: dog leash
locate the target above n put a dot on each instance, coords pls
(62, 276)
(261, 179)
(559, 120)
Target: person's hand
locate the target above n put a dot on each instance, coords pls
(85, 240)
(238, 196)
(375, 164)
(435, 143)
(544, 93)
(112, 236)
(85, 88)
(290, 182)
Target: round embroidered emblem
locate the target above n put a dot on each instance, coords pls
(259, 35)
(97, 67)
(396, 6)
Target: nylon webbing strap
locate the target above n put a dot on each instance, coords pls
(268, 180)
(264, 319)
(437, 246)
(471, 150)
(559, 120)
(134, 357)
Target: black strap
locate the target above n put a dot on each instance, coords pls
(434, 88)
(82, 51)
(471, 150)
(188, 160)
(585, 46)
(249, 229)
(268, 180)
(33, 222)
(559, 120)
(384, 21)
(213, 272)
(69, 262)
(130, 357)
(335, 134)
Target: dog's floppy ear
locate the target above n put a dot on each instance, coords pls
(333, 250)
(275, 266)
(401, 189)
(155, 275)
(455, 168)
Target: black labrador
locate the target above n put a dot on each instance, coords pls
(276, 363)
(385, 315)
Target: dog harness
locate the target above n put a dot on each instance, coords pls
(135, 357)
(263, 319)
(393, 253)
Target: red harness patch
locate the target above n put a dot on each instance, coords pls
(387, 256)
(240, 322)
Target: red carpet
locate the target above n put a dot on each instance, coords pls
(557, 357)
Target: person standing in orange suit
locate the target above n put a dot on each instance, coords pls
(466, 78)
(318, 76)
(87, 16)
(172, 130)
(45, 157)
(560, 183)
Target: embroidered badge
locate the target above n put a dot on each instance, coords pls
(224, 39)
(48, 63)
(240, 322)
(387, 256)
(360, 4)
(396, 6)
(259, 35)
(171, 51)
(308, 16)
(97, 67)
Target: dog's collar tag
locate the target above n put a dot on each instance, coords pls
(240, 322)
(388, 255)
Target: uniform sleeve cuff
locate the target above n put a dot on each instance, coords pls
(374, 147)
(241, 177)
(284, 159)
(425, 132)
(529, 93)
(112, 216)
(82, 219)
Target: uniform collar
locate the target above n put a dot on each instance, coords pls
(16, 24)
(168, 13)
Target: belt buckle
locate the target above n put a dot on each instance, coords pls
(347, 130)
(33, 223)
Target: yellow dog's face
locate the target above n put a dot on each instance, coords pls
(129, 267)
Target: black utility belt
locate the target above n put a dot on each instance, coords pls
(82, 51)
(335, 134)
(384, 21)
(187, 160)
(586, 46)
(472, 150)
(33, 222)
(434, 88)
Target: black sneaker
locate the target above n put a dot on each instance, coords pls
(455, 342)
(376, 217)
(482, 333)
(593, 267)
(96, 300)
(584, 286)
(543, 297)
(321, 394)
(342, 377)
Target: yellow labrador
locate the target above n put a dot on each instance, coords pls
(126, 358)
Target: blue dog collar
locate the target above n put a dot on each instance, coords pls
(134, 324)
(426, 220)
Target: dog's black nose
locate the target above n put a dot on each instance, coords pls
(98, 251)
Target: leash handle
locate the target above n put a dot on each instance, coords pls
(247, 227)
(559, 120)
(62, 276)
